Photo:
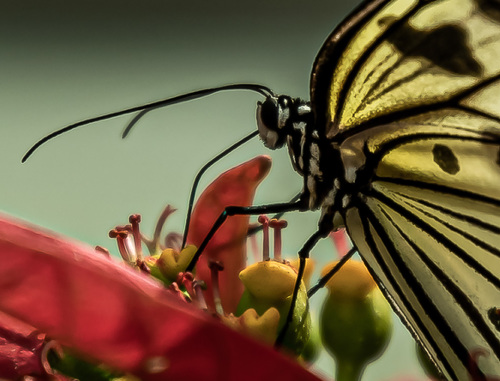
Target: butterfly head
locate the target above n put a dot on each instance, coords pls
(274, 119)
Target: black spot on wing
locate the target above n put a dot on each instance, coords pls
(446, 159)
(445, 46)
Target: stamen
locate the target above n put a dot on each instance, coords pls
(134, 219)
(50, 346)
(339, 239)
(174, 288)
(277, 225)
(141, 264)
(102, 250)
(199, 286)
(254, 247)
(173, 240)
(265, 241)
(154, 245)
(121, 234)
(215, 267)
(186, 279)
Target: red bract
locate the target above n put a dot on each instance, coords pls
(236, 187)
(20, 349)
(112, 314)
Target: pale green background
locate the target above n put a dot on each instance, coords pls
(62, 61)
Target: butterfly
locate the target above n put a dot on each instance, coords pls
(400, 144)
(405, 97)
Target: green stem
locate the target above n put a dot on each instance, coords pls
(348, 371)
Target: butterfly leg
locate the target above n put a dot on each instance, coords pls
(324, 280)
(298, 205)
(322, 232)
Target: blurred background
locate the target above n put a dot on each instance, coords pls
(63, 61)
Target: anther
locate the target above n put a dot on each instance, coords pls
(121, 234)
(118, 233)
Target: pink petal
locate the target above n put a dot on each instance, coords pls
(112, 314)
(236, 187)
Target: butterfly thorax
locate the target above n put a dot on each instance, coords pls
(284, 120)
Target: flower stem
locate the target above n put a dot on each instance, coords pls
(348, 371)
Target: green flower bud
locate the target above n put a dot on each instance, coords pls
(356, 320)
(313, 346)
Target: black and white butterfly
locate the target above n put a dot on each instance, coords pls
(400, 144)
(404, 150)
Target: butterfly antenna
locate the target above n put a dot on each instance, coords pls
(201, 172)
(265, 91)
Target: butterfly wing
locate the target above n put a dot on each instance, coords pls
(434, 245)
(410, 93)
(373, 64)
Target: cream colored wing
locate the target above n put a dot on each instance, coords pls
(409, 56)
(428, 227)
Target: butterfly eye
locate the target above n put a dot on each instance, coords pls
(270, 122)
(268, 113)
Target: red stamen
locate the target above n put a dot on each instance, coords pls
(102, 250)
(186, 279)
(174, 289)
(50, 346)
(215, 267)
(265, 241)
(120, 234)
(277, 225)
(340, 241)
(141, 264)
(199, 286)
(160, 223)
(134, 219)
(254, 248)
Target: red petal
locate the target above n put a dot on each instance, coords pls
(20, 349)
(115, 315)
(236, 187)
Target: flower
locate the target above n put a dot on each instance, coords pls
(120, 317)
(23, 350)
(356, 321)
(235, 187)
(115, 315)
